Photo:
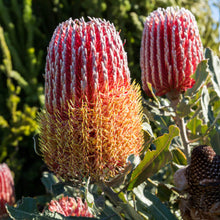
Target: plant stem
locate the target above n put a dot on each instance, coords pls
(181, 124)
(174, 98)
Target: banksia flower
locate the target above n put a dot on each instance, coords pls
(68, 206)
(171, 49)
(7, 194)
(203, 182)
(203, 176)
(93, 115)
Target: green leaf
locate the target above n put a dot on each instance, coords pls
(147, 128)
(184, 108)
(179, 157)
(163, 192)
(214, 68)
(200, 77)
(152, 93)
(196, 126)
(130, 212)
(150, 204)
(155, 159)
(49, 179)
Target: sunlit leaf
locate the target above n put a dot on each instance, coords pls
(155, 159)
(179, 157)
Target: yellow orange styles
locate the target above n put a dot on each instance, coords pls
(92, 121)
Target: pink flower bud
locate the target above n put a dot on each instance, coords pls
(7, 193)
(93, 116)
(171, 49)
(68, 206)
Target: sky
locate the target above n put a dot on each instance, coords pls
(215, 13)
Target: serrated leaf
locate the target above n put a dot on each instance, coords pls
(149, 203)
(200, 77)
(155, 159)
(214, 67)
(179, 157)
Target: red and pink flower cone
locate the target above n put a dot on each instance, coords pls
(171, 49)
(68, 206)
(92, 121)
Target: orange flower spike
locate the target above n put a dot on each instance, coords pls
(171, 49)
(93, 116)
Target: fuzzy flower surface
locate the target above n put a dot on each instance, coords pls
(68, 206)
(171, 49)
(7, 193)
(92, 121)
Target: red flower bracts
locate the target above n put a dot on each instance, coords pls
(93, 115)
(171, 49)
(7, 193)
(68, 206)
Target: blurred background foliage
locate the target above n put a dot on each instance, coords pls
(25, 31)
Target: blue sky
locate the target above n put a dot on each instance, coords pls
(215, 13)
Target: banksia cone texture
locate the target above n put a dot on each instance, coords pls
(203, 185)
(171, 49)
(93, 115)
(7, 194)
(68, 206)
(203, 176)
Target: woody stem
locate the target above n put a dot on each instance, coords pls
(174, 98)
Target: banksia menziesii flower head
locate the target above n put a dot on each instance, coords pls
(68, 206)
(7, 194)
(93, 115)
(203, 178)
(171, 49)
